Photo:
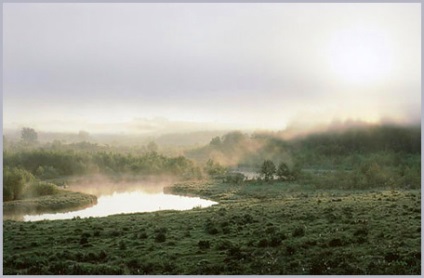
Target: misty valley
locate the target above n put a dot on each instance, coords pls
(339, 201)
(212, 139)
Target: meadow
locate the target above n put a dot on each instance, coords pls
(279, 228)
(350, 205)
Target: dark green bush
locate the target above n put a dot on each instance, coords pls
(290, 250)
(263, 243)
(14, 182)
(160, 237)
(235, 178)
(204, 244)
(298, 232)
(210, 227)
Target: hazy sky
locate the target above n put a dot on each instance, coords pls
(138, 67)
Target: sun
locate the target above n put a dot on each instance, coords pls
(360, 55)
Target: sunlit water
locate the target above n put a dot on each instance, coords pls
(128, 202)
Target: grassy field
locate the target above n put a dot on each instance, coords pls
(279, 228)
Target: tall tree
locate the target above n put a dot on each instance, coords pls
(29, 135)
(283, 171)
(268, 170)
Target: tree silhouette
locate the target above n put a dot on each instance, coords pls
(268, 169)
(283, 171)
(29, 136)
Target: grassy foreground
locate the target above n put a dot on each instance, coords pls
(278, 228)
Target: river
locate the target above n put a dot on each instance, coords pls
(142, 199)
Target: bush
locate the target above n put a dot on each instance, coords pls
(47, 172)
(122, 245)
(290, 250)
(204, 244)
(224, 245)
(263, 243)
(236, 178)
(14, 182)
(298, 232)
(214, 168)
(210, 227)
(41, 189)
(160, 237)
(83, 241)
(275, 241)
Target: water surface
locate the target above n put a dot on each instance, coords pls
(128, 202)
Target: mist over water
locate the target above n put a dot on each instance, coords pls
(128, 202)
(123, 197)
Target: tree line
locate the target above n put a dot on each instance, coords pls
(357, 158)
(28, 167)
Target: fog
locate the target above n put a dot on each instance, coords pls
(99, 185)
(154, 69)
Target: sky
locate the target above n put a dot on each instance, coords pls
(140, 68)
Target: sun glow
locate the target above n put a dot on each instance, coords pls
(361, 55)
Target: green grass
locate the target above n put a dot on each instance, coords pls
(278, 228)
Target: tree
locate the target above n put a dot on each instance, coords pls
(214, 168)
(233, 138)
(216, 141)
(14, 182)
(268, 170)
(29, 136)
(283, 171)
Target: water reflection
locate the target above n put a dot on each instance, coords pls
(128, 202)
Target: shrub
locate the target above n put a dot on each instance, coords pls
(41, 189)
(270, 230)
(263, 243)
(275, 241)
(204, 244)
(160, 237)
(298, 232)
(122, 245)
(236, 178)
(14, 182)
(162, 230)
(363, 231)
(83, 241)
(142, 235)
(133, 263)
(336, 242)
(224, 245)
(290, 250)
(210, 227)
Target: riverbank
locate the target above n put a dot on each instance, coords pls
(278, 228)
(62, 201)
